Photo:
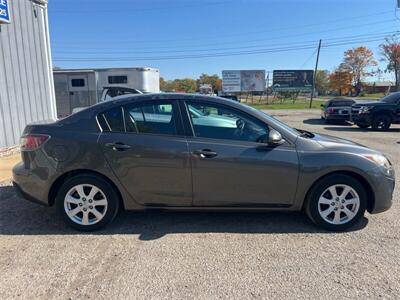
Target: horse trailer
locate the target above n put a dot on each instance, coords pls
(76, 88)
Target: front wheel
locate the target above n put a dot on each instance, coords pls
(381, 122)
(336, 202)
(87, 202)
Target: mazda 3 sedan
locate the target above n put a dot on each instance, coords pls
(193, 152)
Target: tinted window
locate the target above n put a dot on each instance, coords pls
(112, 120)
(392, 98)
(151, 118)
(118, 79)
(220, 122)
(78, 82)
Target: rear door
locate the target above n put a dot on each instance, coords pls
(148, 152)
(79, 95)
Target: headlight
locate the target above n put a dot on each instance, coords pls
(381, 161)
(365, 109)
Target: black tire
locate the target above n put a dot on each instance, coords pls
(381, 122)
(311, 203)
(362, 125)
(111, 196)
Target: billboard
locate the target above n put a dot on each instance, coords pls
(4, 11)
(292, 80)
(234, 81)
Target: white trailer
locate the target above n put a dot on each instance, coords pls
(83, 87)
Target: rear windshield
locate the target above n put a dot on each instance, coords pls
(341, 103)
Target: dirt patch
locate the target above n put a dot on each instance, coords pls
(6, 165)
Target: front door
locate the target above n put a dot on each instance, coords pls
(230, 165)
(148, 153)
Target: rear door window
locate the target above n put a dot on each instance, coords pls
(158, 118)
(112, 120)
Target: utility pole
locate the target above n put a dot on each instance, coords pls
(315, 73)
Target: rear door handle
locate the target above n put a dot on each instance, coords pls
(205, 153)
(118, 146)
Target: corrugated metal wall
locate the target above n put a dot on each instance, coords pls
(26, 82)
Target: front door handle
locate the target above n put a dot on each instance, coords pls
(118, 146)
(205, 153)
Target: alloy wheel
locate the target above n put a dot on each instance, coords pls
(85, 204)
(338, 204)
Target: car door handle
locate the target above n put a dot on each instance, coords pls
(118, 146)
(205, 153)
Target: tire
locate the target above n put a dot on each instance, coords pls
(320, 202)
(79, 197)
(362, 125)
(381, 122)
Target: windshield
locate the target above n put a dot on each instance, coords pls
(392, 98)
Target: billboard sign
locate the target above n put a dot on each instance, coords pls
(234, 81)
(293, 80)
(4, 11)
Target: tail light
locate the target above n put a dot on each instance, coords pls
(331, 110)
(32, 142)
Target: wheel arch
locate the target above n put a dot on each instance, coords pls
(357, 176)
(60, 180)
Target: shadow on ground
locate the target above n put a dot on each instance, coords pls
(20, 217)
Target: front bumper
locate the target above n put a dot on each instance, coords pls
(361, 118)
(32, 186)
(383, 187)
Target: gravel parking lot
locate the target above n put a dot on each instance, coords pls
(205, 255)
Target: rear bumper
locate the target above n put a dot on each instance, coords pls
(30, 185)
(337, 117)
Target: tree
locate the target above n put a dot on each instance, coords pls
(356, 61)
(391, 54)
(340, 81)
(214, 80)
(322, 82)
(163, 84)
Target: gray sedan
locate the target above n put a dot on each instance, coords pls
(193, 152)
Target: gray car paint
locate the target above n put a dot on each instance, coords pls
(240, 176)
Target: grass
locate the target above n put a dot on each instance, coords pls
(288, 104)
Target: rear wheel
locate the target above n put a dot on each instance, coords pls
(336, 202)
(362, 125)
(87, 202)
(381, 122)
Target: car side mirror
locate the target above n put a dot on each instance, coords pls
(275, 138)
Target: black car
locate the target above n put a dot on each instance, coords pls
(377, 114)
(337, 109)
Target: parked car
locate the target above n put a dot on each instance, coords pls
(377, 114)
(337, 109)
(193, 152)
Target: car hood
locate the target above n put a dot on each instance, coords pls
(371, 103)
(338, 144)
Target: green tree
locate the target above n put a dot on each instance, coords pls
(322, 82)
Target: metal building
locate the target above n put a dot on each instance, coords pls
(26, 81)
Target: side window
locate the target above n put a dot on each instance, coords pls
(121, 79)
(78, 82)
(220, 122)
(151, 118)
(112, 120)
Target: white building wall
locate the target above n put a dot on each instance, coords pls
(26, 82)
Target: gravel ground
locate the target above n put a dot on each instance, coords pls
(204, 255)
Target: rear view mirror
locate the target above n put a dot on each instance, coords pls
(275, 138)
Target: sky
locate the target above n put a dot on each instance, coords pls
(185, 38)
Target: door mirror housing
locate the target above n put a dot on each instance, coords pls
(275, 138)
